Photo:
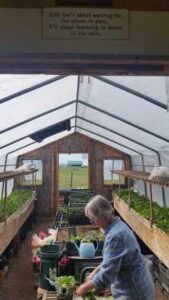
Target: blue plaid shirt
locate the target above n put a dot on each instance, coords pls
(123, 266)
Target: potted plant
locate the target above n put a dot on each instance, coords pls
(87, 248)
(64, 286)
(74, 244)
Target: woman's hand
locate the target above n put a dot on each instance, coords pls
(82, 290)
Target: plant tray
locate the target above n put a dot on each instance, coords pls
(11, 226)
(156, 239)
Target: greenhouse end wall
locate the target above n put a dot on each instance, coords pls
(48, 193)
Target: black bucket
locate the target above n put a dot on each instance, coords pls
(49, 255)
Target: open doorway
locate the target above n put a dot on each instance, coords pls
(73, 171)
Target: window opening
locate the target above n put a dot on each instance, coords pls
(27, 179)
(73, 171)
(109, 177)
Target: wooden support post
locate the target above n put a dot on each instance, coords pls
(22, 183)
(151, 206)
(5, 199)
(112, 176)
(56, 171)
(128, 184)
(119, 184)
(34, 181)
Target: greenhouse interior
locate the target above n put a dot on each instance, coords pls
(84, 150)
(50, 170)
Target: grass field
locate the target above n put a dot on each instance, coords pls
(34, 182)
(75, 177)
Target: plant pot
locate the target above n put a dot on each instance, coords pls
(64, 286)
(50, 251)
(49, 255)
(65, 294)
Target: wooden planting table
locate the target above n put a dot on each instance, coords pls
(47, 295)
(156, 239)
(11, 226)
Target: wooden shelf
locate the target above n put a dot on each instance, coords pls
(141, 176)
(12, 174)
(156, 239)
(11, 226)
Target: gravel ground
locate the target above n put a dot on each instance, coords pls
(18, 284)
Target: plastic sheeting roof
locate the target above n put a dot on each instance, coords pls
(127, 113)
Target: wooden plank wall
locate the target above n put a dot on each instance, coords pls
(48, 193)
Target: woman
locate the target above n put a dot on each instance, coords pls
(123, 266)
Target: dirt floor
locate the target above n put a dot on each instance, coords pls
(18, 284)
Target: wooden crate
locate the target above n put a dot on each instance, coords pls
(45, 295)
(11, 226)
(156, 239)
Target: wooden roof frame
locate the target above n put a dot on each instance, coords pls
(84, 64)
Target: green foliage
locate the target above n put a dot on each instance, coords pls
(65, 281)
(91, 236)
(91, 295)
(101, 236)
(87, 237)
(80, 196)
(79, 200)
(76, 212)
(74, 238)
(63, 210)
(13, 202)
(141, 204)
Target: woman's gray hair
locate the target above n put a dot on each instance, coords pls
(100, 207)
